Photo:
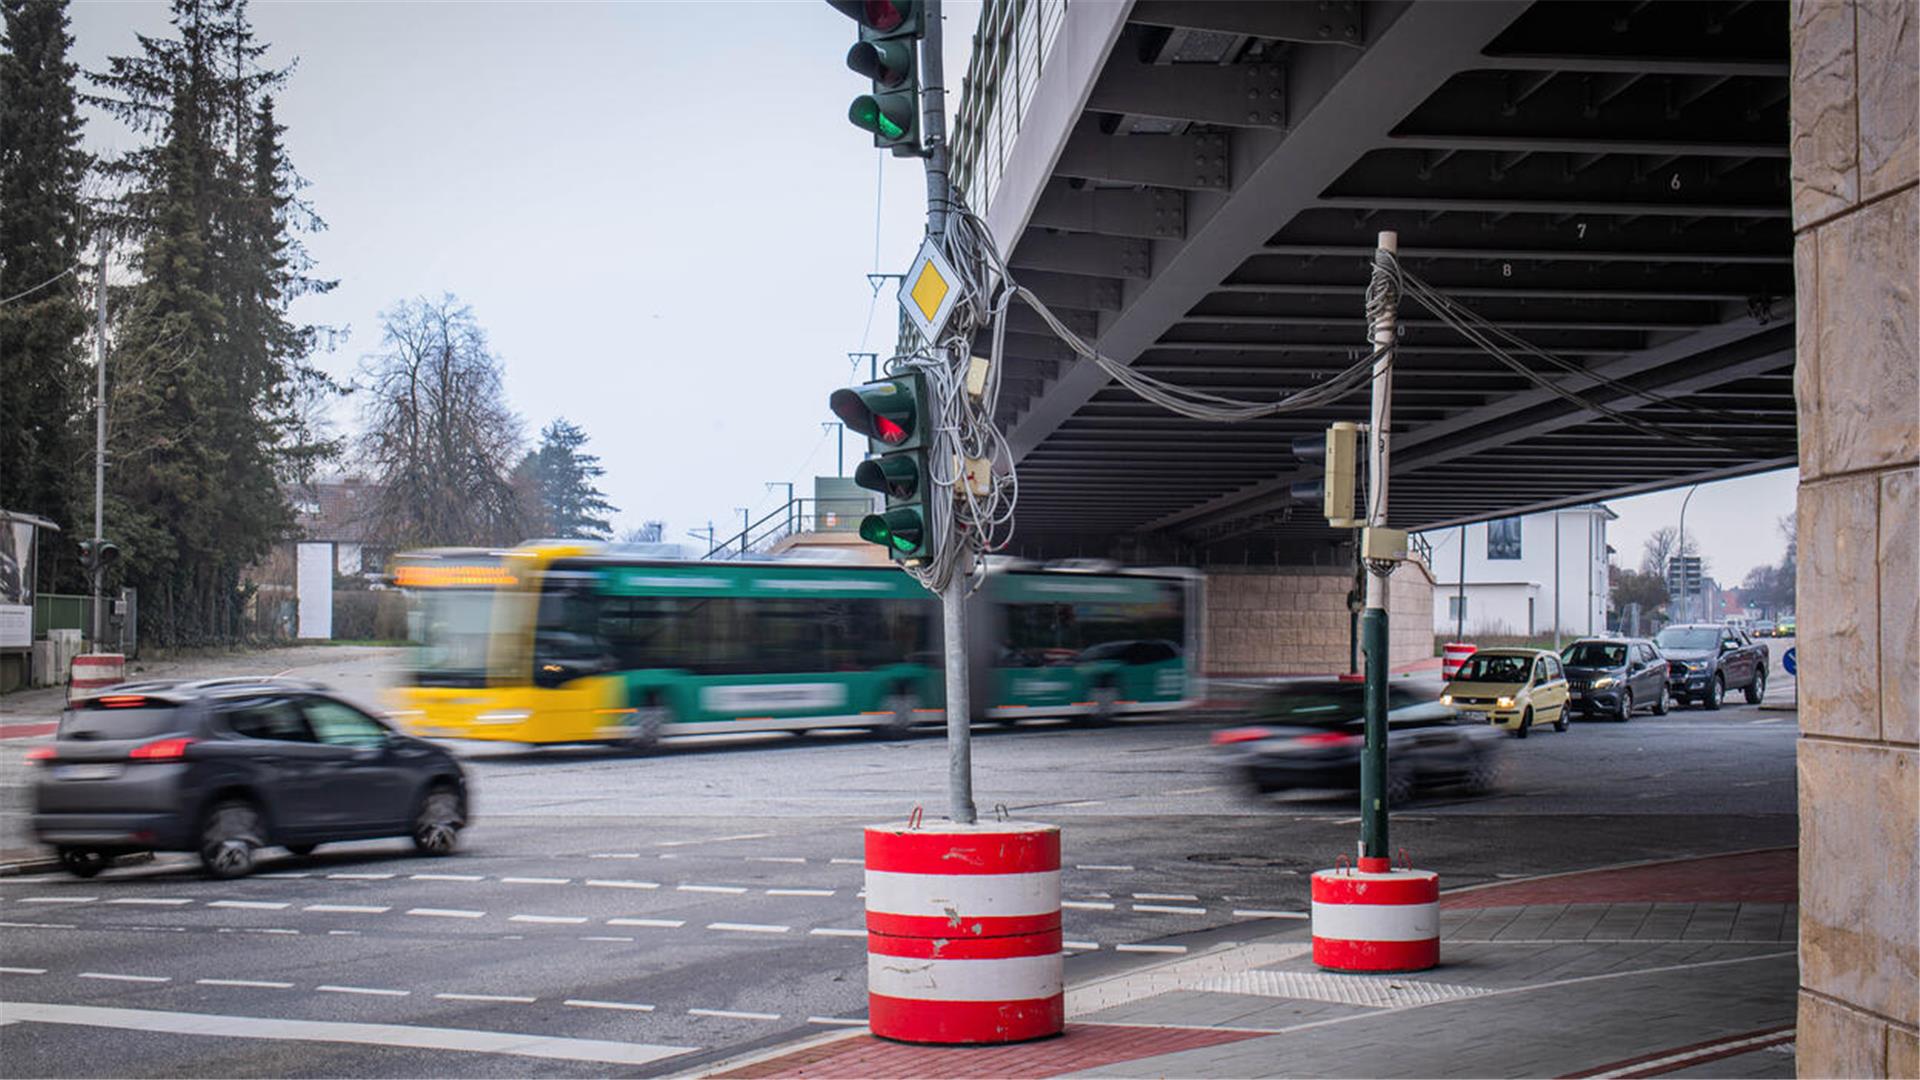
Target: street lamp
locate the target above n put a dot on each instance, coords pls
(1680, 553)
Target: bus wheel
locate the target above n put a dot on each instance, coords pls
(899, 706)
(1105, 704)
(648, 722)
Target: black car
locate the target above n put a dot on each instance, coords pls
(1310, 732)
(225, 767)
(1708, 659)
(1612, 677)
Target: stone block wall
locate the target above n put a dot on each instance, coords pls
(1292, 620)
(1856, 90)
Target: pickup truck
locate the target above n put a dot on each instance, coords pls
(1705, 660)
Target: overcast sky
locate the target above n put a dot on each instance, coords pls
(663, 219)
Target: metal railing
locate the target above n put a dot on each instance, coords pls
(795, 516)
(1010, 47)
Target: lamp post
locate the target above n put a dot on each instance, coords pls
(1680, 554)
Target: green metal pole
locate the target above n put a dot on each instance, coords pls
(1373, 621)
(1373, 757)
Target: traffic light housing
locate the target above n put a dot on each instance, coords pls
(888, 55)
(892, 413)
(1339, 453)
(97, 555)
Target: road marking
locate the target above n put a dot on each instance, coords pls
(1164, 896)
(349, 909)
(22, 971)
(1082, 802)
(534, 880)
(714, 839)
(731, 890)
(616, 883)
(800, 892)
(264, 930)
(776, 858)
(1150, 948)
(57, 899)
(603, 937)
(115, 977)
(285, 874)
(1192, 790)
(1104, 866)
(586, 1003)
(727, 1014)
(1255, 913)
(1087, 946)
(445, 913)
(1346, 821)
(38, 925)
(251, 905)
(1086, 905)
(512, 999)
(343, 933)
(614, 855)
(370, 990)
(566, 920)
(836, 1021)
(359, 877)
(1167, 909)
(260, 984)
(425, 1038)
(836, 931)
(848, 862)
(150, 901)
(666, 923)
(1770, 720)
(749, 928)
(446, 877)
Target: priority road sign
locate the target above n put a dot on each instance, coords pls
(930, 291)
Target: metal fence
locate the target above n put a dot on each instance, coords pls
(1010, 47)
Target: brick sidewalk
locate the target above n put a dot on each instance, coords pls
(1749, 876)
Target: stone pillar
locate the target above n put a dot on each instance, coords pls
(1856, 81)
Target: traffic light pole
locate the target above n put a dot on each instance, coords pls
(99, 433)
(1373, 621)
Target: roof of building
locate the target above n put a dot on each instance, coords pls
(338, 510)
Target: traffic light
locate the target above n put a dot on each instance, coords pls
(97, 555)
(892, 414)
(1339, 452)
(888, 55)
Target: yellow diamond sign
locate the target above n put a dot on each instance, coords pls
(929, 291)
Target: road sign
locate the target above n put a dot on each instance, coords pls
(1791, 662)
(930, 291)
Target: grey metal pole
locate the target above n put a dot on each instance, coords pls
(99, 431)
(839, 448)
(1460, 589)
(1557, 581)
(1680, 554)
(1373, 623)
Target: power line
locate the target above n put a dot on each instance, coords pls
(42, 285)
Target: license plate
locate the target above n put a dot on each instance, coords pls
(89, 772)
(1476, 717)
(1578, 694)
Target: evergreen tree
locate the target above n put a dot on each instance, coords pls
(562, 481)
(44, 383)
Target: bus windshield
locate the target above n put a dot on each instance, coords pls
(452, 630)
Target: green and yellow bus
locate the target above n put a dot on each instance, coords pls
(579, 643)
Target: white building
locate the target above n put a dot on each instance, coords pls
(1523, 575)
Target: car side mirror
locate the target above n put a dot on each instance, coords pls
(1729, 646)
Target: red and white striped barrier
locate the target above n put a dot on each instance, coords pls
(963, 932)
(93, 672)
(1376, 918)
(1453, 655)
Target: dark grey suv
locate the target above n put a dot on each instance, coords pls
(225, 767)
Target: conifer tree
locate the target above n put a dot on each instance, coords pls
(562, 480)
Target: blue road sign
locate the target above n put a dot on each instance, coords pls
(1789, 662)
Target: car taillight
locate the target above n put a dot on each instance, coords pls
(161, 750)
(40, 753)
(1239, 734)
(1329, 738)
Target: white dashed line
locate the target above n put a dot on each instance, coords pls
(730, 890)
(617, 883)
(38, 925)
(727, 1014)
(1257, 914)
(564, 920)
(836, 931)
(369, 990)
(1086, 905)
(125, 978)
(836, 1021)
(359, 877)
(1082, 802)
(349, 909)
(1168, 909)
(1150, 948)
(668, 924)
(446, 877)
(445, 913)
(1192, 790)
(285, 875)
(511, 999)
(714, 839)
(58, 899)
(1086, 946)
(604, 937)
(749, 928)
(1164, 896)
(534, 880)
(150, 901)
(1104, 866)
(267, 930)
(800, 892)
(22, 971)
(848, 862)
(258, 984)
(627, 1006)
(776, 858)
(251, 905)
(343, 933)
(614, 855)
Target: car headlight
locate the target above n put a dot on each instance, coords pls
(1446, 699)
(1603, 682)
(1505, 703)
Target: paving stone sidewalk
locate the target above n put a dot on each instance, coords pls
(1685, 968)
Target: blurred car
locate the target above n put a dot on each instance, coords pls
(1785, 627)
(1708, 659)
(1310, 734)
(224, 767)
(1614, 676)
(1511, 689)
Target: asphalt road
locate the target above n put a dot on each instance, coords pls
(621, 915)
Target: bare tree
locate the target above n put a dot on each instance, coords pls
(439, 439)
(1664, 544)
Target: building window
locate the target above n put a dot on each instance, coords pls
(1503, 538)
(1456, 607)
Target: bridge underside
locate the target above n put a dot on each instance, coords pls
(1608, 181)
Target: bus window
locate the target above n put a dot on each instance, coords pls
(566, 641)
(755, 636)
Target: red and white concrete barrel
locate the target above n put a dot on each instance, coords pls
(94, 672)
(963, 932)
(1375, 918)
(1453, 655)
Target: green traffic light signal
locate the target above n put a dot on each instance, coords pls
(887, 53)
(889, 117)
(902, 531)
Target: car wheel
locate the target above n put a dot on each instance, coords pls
(233, 832)
(1717, 692)
(1484, 774)
(82, 862)
(1561, 720)
(436, 828)
(301, 850)
(1105, 704)
(1626, 706)
(1660, 703)
(1526, 725)
(1757, 690)
(648, 723)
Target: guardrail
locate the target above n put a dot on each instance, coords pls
(795, 516)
